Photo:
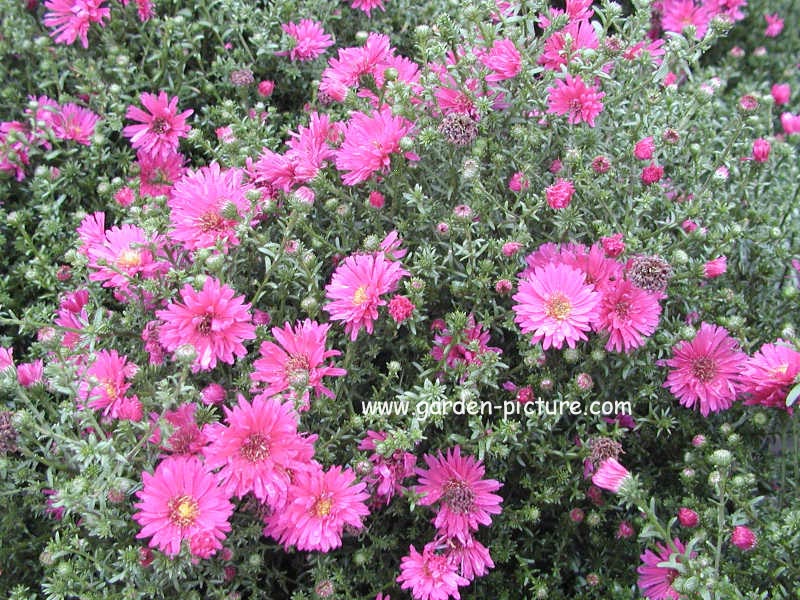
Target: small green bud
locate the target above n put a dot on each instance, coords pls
(721, 458)
(571, 355)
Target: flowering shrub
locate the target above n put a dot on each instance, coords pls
(377, 300)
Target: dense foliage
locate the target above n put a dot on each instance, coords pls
(337, 299)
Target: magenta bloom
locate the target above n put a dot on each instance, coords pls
(473, 345)
(644, 148)
(160, 127)
(655, 582)
(104, 385)
(123, 254)
(769, 374)
(629, 315)
(556, 305)
(504, 60)
(310, 40)
(563, 46)
(678, 14)
(206, 206)
(75, 123)
(369, 142)
(652, 173)
(257, 449)
(707, 370)
(571, 96)
(211, 320)
(790, 123)
(781, 93)
(367, 5)
(774, 25)
(430, 576)
(297, 362)
(559, 195)
(716, 267)
(611, 475)
(471, 557)
(688, 518)
(182, 501)
(356, 288)
(320, 504)
(465, 499)
(70, 19)
(157, 174)
(743, 538)
(388, 472)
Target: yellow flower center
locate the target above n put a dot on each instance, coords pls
(322, 507)
(129, 258)
(183, 510)
(360, 296)
(558, 307)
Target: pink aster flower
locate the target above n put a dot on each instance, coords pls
(430, 576)
(628, 314)
(297, 362)
(655, 582)
(465, 499)
(761, 150)
(367, 5)
(356, 288)
(790, 123)
(518, 182)
(6, 358)
(388, 472)
(160, 127)
(561, 48)
(571, 96)
(769, 374)
(743, 538)
(187, 438)
(71, 19)
(310, 40)
(206, 206)
(104, 384)
(75, 123)
(611, 475)
(716, 267)
(774, 25)
(559, 195)
(257, 449)
(652, 173)
(644, 148)
(182, 501)
(613, 245)
(369, 142)
(471, 557)
(400, 308)
(556, 305)
(688, 518)
(707, 370)
(29, 374)
(473, 343)
(211, 320)
(504, 61)
(125, 253)
(157, 174)
(781, 93)
(320, 504)
(678, 14)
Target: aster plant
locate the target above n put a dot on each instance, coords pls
(367, 300)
